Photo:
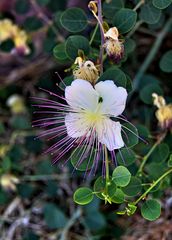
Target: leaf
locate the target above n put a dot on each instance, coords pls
(59, 52)
(54, 217)
(86, 162)
(74, 20)
(161, 4)
(118, 197)
(115, 74)
(121, 176)
(133, 188)
(150, 14)
(75, 43)
(166, 62)
(170, 161)
(126, 157)
(129, 134)
(111, 7)
(151, 210)
(129, 45)
(146, 92)
(32, 24)
(124, 20)
(83, 195)
(161, 153)
(95, 221)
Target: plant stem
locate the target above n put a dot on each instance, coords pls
(151, 54)
(99, 4)
(107, 167)
(145, 158)
(139, 5)
(152, 186)
(94, 33)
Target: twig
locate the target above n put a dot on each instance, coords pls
(99, 4)
(70, 223)
(151, 54)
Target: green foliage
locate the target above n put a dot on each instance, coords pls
(74, 20)
(76, 43)
(54, 217)
(160, 154)
(146, 92)
(121, 176)
(124, 20)
(133, 188)
(109, 8)
(161, 4)
(166, 62)
(115, 74)
(59, 52)
(151, 209)
(131, 134)
(126, 157)
(149, 13)
(83, 195)
(82, 163)
(32, 24)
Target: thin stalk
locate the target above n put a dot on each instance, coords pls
(99, 4)
(145, 158)
(107, 167)
(94, 34)
(151, 54)
(139, 5)
(152, 186)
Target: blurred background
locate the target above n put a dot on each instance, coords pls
(36, 198)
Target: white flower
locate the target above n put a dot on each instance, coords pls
(85, 120)
(92, 109)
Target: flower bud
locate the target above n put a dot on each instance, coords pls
(114, 47)
(86, 70)
(164, 112)
(9, 181)
(16, 104)
(92, 6)
(4, 148)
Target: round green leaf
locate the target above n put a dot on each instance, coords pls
(121, 176)
(115, 74)
(125, 20)
(166, 62)
(118, 197)
(74, 20)
(83, 195)
(109, 8)
(86, 162)
(54, 217)
(151, 209)
(129, 134)
(59, 52)
(161, 4)
(126, 157)
(161, 153)
(133, 188)
(129, 45)
(150, 14)
(32, 24)
(99, 187)
(75, 43)
(146, 92)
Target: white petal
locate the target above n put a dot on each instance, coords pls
(76, 126)
(82, 95)
(114, 98)
(109, 133)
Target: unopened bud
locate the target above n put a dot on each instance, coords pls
(92, 6)
(86, 71)
(16, 103)
(9, 181)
